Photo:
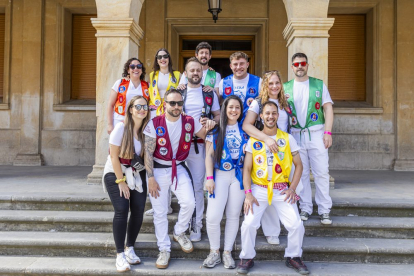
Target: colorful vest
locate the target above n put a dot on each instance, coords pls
(156, 103)
(226, 163)
(314, 114)
(208, 98)
(163, 149)
(121, 95)
(252, 91)
(210, 79)
(282, 163)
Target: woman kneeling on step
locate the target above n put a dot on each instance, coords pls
(125, 180)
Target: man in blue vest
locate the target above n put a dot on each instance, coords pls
(312, 120)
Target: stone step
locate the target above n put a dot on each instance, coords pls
(21, 266)
(99, 221)
(322, 249)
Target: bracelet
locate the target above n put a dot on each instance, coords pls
(248, 191)
(209, 177)
(327, 132)
(120, 180)
(292, 190)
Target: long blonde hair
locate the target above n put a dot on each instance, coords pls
(264, 89)
(127, 144)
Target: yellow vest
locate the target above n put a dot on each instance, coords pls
(155, 98)
(282, 163)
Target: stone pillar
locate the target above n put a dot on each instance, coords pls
(31, 85)
(405, 93)
(118, 36)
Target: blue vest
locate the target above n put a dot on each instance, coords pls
(252, 91)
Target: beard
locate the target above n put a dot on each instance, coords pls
(270, 126)
(203, 63)
(301, 73)
(174, 112)
(192, 81)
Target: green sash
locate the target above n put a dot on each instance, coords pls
(210, 79)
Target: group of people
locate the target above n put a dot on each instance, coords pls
(250, 142)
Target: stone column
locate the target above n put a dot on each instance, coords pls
(118, 36)
(31, 85)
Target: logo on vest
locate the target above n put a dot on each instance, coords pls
(314, 117)
(281, 142)
(209, 100)
(252, 91)
(249, 101)
(185, 146)
(227, 166)
(258, 145)
(187, 137)
(121, 99)
(162, 141)
(163, 151)
(281, 155)
(157, 102)
(294, 121)
(287, 96)
(146, 92)
(154, 82)
(260, 173)
(160, 131)
(318, 94)
(227, 91)
(317, 105)
(122, 89)
(120, 109)
(278, 168)
(208, 110)
(213, 81)
(187, 127)
(259, 160)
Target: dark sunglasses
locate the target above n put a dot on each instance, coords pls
(173, 103)
(162, 56)
(141, 106)
(133, 66)
(302, 63)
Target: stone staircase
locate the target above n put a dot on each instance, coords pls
(65, 235)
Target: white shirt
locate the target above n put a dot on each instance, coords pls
(194, 102)
(301, 99)
(239, 87)
(174, 133)
(234, 140)
(131, 92)
(269, 155)
(184, 80)
(282, 121)
(115, 138)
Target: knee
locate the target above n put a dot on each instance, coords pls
(249, 225)
(188, 204)
(121, 212)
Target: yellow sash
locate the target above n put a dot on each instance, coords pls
(155, 98)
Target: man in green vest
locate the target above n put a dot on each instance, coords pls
(312, 119)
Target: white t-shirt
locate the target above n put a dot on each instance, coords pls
(115, 138)
(184, 80)
(269, 155)
(282, 121)
(194, 103)
(234, 140)
(239, 87)
(301, 99)
(131, 92)
(174, 133)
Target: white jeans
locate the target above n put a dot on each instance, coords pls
(288, 214)
(314, 154)
(227, 196)
(185, 196)
(195, 162)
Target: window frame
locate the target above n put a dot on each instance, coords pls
(6, 8)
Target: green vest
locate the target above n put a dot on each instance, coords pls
(210, 79)
(314, 114)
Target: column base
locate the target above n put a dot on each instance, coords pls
(331, 182)
(95, 177)
(28, 160)
(404, 165)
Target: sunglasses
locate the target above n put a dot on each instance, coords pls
(133, 66)
(302, 63)
(162, 56)
(173, 103)
(138, 107)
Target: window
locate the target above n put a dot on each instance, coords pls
(2, 36)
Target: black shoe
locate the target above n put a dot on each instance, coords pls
(297, 264)
(244, 266)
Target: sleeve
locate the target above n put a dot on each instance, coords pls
(218, 80)
(183, 79)
(249, 147)
(116, 85)
(254, 106)
(149, 130)
(216, 105)
(197, 126)
(221, 88)
(115, 138)
(326, 97)
(209, 138)
(293, 144)
(260, 83)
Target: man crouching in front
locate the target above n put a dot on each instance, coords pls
(269, 173)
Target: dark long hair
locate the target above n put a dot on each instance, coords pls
(156, 66)
(220, 129)
(126, 68)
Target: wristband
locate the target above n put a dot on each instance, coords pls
(120, 180)
(209, 177)
(327, 132)
(248, 191)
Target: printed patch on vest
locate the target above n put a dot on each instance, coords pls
(185, 146)
(160, 131)
(288, 109)
(281, 155)
(287, 96)
(208, 110)
(209, 100)
(154, 82)
(163, 151)
(146, 92)
(259, 160)
(223, 155)
(187, 127)
(278, 168)
(317, 105)
(260, 173)
(122, 89)
(121, 99)
(258, 145)
(227, 166)
(314, 117)
(227, 91)
(162, 141)
(157, 102)
(252, 91)
(212, 81)
(187, 137)
(294, 121)
(281, 142)
(120, 109)
(318, 94)
(249, 101)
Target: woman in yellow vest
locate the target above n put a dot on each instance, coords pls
(161, 79)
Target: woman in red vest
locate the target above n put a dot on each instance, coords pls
(132, 84)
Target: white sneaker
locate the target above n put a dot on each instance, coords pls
(131, 257)
(150, 212)
(228, 260)
(272, 239)
(122, 264)
(195, 236)
(326, 219)
(185, 243)
(212, 260)
(163, 259)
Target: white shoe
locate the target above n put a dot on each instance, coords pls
(212, 260)
(272, 240)
(195, 236)
(150, 212)
(131, 257)
(185, 243)
(228, 260)
(326, 219)
(122, 264)
(163, 259)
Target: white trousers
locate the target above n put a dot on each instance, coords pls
(195, 162)
(288, 214)
(185, 196)
(314, 155)
(227, 196)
